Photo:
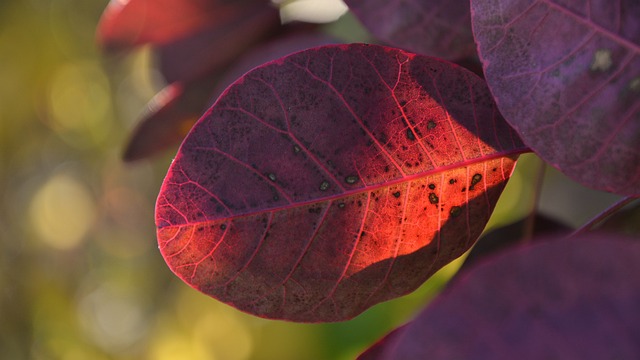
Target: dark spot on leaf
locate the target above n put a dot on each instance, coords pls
(410, 135)
(431, 124)
(452, 181)
(403, 103)
(464, 189)
(455, 211)
(272, 177)
(494, 169)
(276, 198)
(296, 149)
(386, 168)
(474, 180)
(351, 179)
(432, 186)
(316, 210)
(433, 198)
(359, 203)
(396, 194)
(223, 227)
(200, 228)
(324, 185)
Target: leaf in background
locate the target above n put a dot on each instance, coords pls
(128, 23)
(429, 27)
(330, 180)
(563, 299)
(168, 118)
(566, 75)
(173, 111)
(215, 47)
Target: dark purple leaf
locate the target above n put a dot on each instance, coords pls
(562, 299)
(215, 47)
(330, 180)
(566, 75)
(429, 27)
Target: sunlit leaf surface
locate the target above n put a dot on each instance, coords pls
(327, 181)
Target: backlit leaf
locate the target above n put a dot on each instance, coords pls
(335, 178)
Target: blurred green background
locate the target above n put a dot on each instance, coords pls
(80, 273)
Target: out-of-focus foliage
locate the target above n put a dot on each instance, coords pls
(80, 273)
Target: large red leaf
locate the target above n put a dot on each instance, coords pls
(563, 299)
(127, 23)
(566, 74)
(430, 27)
(333, 179)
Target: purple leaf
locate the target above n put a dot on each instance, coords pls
(330, 180)
(215, 47)
(562, 299)
(429, 27)
(566, 75)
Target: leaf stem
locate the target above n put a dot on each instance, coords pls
(529, 225)
(603, 215)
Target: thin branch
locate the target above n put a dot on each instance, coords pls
(529, 225)
(603, 215)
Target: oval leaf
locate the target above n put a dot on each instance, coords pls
(566, 74)
(333, 179)
(563, 299)
(430, 27)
